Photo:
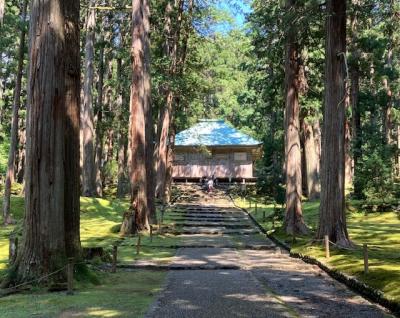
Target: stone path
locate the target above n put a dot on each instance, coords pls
(228, 269)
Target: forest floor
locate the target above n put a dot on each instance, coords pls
(380, 230)
(125, 294)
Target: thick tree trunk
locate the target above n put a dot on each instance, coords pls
(332, 220)
(311, 165)
(14, 125)
(44, 239)
(72, 129)
(294, 223)
(137, 129)
(88, 167)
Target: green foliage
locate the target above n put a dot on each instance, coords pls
(374, 175)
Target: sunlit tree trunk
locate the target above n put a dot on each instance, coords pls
(311, 164)
(137, 129)
(52, 134)
(332, 220)
(14, 125)
(294, 223)
(88, 166)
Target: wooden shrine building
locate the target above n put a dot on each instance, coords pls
(213, 147)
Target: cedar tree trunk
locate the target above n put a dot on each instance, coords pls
(294, 223)
(43, 250)
(88, 166)
(332, 220)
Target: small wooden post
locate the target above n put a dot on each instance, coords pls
(365, 248)
(70, 276)
(250, 202)
(138, 244)
(256, 208)
(327, 253)
(151, 233)
(114, 258)
(264, 215)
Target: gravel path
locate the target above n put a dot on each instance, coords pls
(266, 283)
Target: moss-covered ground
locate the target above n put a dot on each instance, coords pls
(125, 294)
(100, 221)
(381, 231)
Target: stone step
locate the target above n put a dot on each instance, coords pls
(214, 231)
(211, 220)
(215, 225)
(221, 215)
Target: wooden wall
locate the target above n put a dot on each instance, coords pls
(223, 163)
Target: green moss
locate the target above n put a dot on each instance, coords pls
(99, 220)
(124, 294)
(381, 231)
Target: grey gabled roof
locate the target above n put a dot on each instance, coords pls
(212, 132)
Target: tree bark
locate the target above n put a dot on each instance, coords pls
(88, 167)
(99, 125)
(72, 129)
(138, 112)
(44, 248)
(354, 94)
(123, 180)
(170, 160)
(149, 128)
(172, 34)
(311, 157)
(332, 220)
(294, 223)
(14, 125)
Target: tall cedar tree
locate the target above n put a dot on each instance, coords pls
(294, 223)
(88, 151)
(14, 125)
(51, 224)
(139, 103)
(332, 220)
(172, 31)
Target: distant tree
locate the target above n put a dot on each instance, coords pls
(15, 118)
(88, 135)
(332, 220)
